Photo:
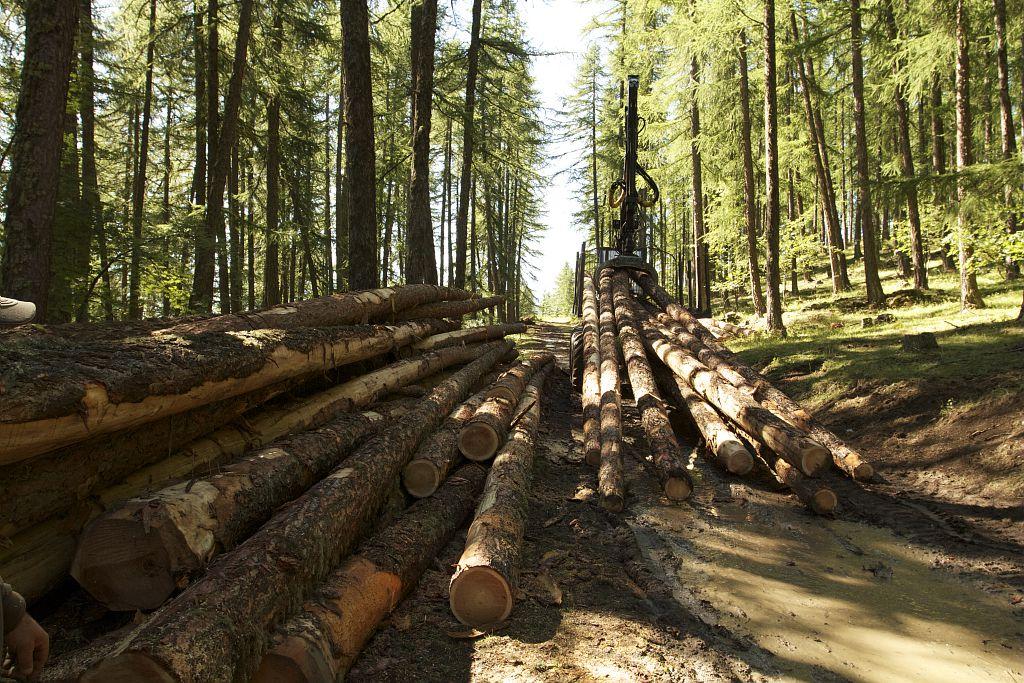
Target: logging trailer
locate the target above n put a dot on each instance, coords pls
(632, 246)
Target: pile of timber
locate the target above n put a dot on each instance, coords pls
(674, 363)
(96, 418)
(242, 475)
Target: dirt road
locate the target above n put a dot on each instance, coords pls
(738, 583)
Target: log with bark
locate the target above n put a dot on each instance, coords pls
(439, 451)
(321, 642)
(346, 308)
(591, 390)
(793, 445)
(848, 460)
(204, 455)
(469, 336)
(137, 555)
(609, 475)
(482, 435)
(216, 629)
(449, 309)
(482, 589)
(815, 494)
(50, 485)
(57, 391)
(666, 455)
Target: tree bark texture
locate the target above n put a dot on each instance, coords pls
(666, 455)
(31, 196)
(970, 295)
(216, 629)
(420, 227)
(469, 336)
(771, 160)
(439, 452)
(609, 474)
(66, 390)
(449, 309)
(466, 172)
(483, 586)
(324, 639)
(591, 394)
(749, 189)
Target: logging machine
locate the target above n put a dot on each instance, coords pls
(629, 235)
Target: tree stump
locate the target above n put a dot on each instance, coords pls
(920, 343)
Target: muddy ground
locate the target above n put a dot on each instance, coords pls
(920, 576)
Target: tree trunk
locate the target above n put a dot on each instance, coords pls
(90, 184)
(873, 285)
(293, 552)
(774, 302)
(360, 158)
(135, 556)
(485, 432)
(666, 455)
(609, 474)
(970, 295)
(449, 309)
(1008, 136)
(340, 195)
(139, 184)
(83, 401)
(591, 392)
(466, 174)
(36, 146)
(422, 266)
(439, 452)
(322, 642)
(272, 259)
(749, 189)
(483, 587)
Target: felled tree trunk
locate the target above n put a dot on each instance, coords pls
(62, 391)
(469, 336)
(48, 486)
(483, 587)
(216, 629)
(483, 434)
(609, 474)
(135, 556)
(666, 455)
(449, 309)
(439, 452)
(591, 394)
(321, 642)
(347, 308)
(774, 432)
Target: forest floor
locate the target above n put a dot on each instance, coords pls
(919, 577)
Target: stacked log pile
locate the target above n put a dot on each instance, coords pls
(226, 471)
(675, 363)
(206, 419)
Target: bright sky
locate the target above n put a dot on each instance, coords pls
(557, 26)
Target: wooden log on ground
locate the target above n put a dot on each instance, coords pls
(591, 394)
(705, 355)
(815, 494)
(848, 460)
(666, 455)
(216, 629)
(482, 435)
(58, 392)
(345, 308)
(203, 456)
(37, 559)
(323, 640)
(449, 309)
(48, 486)
(483, 586)
(469, 336)
(609, 475)
(136, 555)
(739, 407)
(439, 451)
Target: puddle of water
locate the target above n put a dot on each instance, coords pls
(851, 599)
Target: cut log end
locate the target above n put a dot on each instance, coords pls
(421, 478)
(127, 667)
(863, 471)
(612, 502)
(813, 459)
(593, 458)
(736, 458)
(824, 501)
(678, 489)
(285, 668)
(122, 566)
(479, 441)
(480, 596)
